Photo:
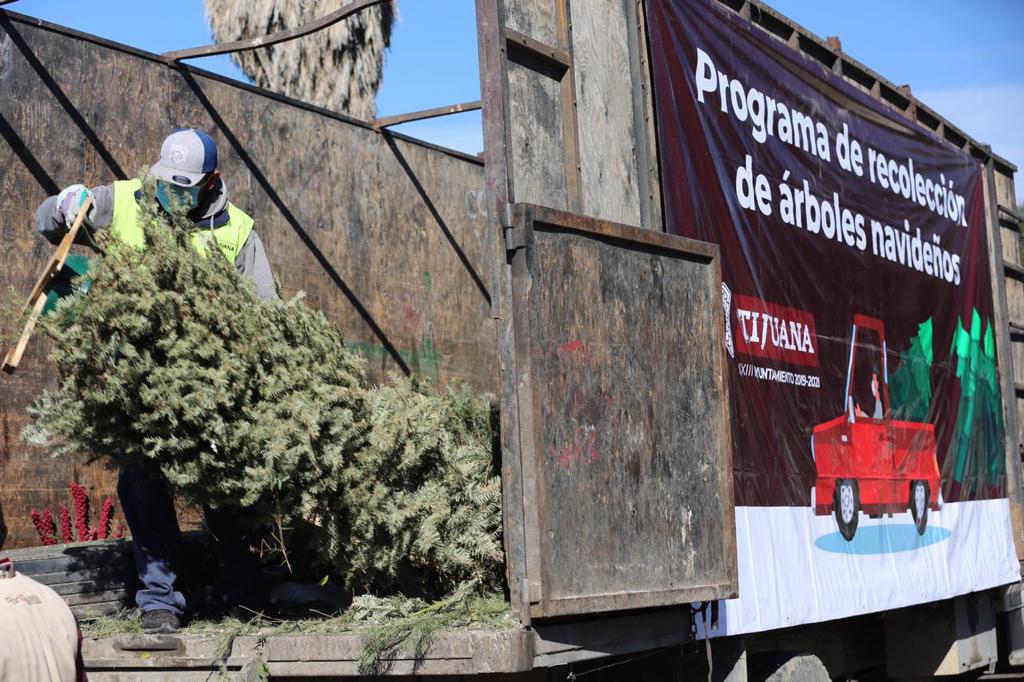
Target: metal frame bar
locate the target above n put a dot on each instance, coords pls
(524, 216)
(425, 114)
(520, 506)
(570, 120)
(647, 161)
(493, 51)
(553, 55)
(274, 38)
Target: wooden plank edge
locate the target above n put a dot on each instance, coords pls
(1010, 213)
(624, 601)
(481, 652)
(534, 214)
(1014, 270)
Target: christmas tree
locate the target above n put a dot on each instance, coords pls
(258, 406)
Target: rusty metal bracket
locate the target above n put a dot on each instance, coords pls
(272, 39)
(524, 606)
(552, 55)
(424, 114)
(517, 224)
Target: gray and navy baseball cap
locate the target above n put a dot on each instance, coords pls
(186, 157)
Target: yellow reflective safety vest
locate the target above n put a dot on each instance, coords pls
(230, 236)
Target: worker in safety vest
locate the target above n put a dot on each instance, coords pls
(186, 176)
(39, 637)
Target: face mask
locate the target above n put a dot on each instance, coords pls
(175, 197)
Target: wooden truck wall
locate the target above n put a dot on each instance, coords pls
(384, 235)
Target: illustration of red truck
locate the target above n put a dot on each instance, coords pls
(867, 461)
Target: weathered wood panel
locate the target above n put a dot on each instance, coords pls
(537, 136)
(1020, 410)
(540, 19)
(1011, 241)
(588, 145)
(1005, 192)
(609, 145)
(1015, 299)
(624, 416)
(1018, 362)
(385, 236)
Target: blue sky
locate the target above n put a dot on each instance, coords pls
(964, 59)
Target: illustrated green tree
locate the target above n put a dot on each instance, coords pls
(910, 385)
(976, 454)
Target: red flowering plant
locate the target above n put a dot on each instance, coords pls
(47, 529)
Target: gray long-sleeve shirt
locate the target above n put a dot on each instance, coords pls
(251, 260)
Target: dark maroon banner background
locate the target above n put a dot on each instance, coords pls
(792, 269)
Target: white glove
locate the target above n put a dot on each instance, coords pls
(70, 201)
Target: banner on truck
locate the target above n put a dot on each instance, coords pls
(868, 432)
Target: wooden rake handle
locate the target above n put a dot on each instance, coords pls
(37, 301)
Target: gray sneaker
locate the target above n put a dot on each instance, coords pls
(160, 621)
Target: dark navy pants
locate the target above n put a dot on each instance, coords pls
(148, 507)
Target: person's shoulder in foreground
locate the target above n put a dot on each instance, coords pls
(39, 637)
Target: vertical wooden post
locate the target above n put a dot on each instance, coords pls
(1004, 354)
(497, 160)
(570, 122)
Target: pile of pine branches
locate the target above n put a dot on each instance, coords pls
(258, 406)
